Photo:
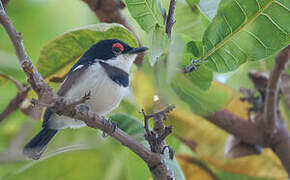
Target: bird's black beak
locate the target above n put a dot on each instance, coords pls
(137, 50)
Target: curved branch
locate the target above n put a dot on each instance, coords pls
(242, 129)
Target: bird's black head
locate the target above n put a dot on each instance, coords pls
(110, 48)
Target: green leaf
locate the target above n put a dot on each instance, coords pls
(76, 164)
(146, 13)
(180, 50)
(202, 77)
(158, 44)
(246, 31)
(135, 128)
(190, 21)
(201, 102)
(57, 57)
(195, 48)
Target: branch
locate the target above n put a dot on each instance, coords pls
(280, 143)
(272, 91)
(109, 11)
(60, 105)
(240, 128)
(5, 3)
(156, 138)
(15, 103)
(170, 18)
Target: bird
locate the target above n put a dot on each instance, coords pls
(103, 72)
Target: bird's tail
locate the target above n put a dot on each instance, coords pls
(38, 144)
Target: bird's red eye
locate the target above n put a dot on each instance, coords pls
(119, 46)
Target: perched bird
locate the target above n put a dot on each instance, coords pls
(103, 71)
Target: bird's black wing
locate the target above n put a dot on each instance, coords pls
(70, 79)
(74, 74)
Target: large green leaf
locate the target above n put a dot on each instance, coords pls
(57, 57)
(201, 102)
(146, 13)
(246, 30)
(77, 164)
(190, 21)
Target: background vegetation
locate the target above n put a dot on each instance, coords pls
(231, 40)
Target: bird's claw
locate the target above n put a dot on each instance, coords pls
(112, 126)
(171, 151)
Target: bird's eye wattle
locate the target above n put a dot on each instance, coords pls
(117, 48)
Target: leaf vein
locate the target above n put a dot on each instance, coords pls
(259, 6)
(282, 5)
(256, 38)
(245, 14)
(229, 53)
(228, 23)
(274, 23)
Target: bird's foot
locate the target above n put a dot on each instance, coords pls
(170, 151)
(112, 126)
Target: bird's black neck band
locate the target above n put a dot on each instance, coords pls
(117, 75)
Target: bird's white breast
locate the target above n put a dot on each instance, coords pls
(105, 95)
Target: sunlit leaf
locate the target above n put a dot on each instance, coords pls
(146, 13)
(246, 31)
(57, 57)
(194, 168)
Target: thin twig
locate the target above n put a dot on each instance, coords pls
(5, 3)
(15, 103)
(170, 18)
(155, 161)
(272, 91)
